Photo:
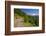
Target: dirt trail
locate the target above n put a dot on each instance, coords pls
(19, 22)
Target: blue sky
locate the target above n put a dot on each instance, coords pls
(31, 11)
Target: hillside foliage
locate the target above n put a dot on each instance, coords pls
(28, 19)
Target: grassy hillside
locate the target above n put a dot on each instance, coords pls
(28, 19)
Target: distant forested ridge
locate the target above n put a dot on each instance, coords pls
(28, 19)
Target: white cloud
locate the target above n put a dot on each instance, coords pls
(32, 14)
